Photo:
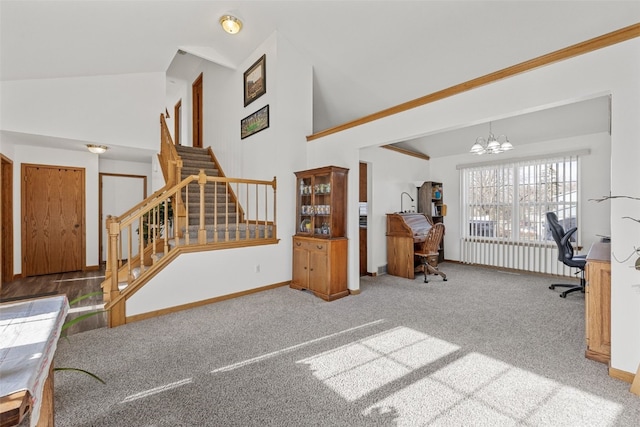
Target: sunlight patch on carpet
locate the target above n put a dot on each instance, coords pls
(292, 348)
(484, 388)
(362, 367)
(157, 390)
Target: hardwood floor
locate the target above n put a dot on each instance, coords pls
(73, 284)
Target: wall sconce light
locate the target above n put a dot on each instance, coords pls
(231, 24)
(97, 149)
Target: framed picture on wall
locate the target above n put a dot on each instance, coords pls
(255, 81)
(255, 122)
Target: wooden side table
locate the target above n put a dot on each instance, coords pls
(598, 303)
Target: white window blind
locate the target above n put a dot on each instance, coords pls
(504, 206)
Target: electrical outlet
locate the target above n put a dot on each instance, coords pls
(257, 268)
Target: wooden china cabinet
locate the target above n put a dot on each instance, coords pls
(320, 242)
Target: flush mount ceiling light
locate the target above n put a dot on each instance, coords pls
(231, 24)
(97, 149)
(491, 145)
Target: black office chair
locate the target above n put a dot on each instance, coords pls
(565, 254)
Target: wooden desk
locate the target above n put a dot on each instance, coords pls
(598, 303)
(29, 333)
(405, 231)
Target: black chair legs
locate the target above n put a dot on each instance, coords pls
(572, 288)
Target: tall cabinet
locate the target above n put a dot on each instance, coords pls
(431, 203)
(320, 242)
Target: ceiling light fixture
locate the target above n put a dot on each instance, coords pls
(491, 145)
(231, 24)
(97, 149)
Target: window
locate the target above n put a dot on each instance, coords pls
(508, 201)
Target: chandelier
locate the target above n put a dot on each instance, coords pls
(491, 145)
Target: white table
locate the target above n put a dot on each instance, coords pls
(29, 333)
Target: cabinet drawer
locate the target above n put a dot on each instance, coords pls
(311, 245)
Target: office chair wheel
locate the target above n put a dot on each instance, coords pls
(552, 286)
(563, 295)
(444, 280)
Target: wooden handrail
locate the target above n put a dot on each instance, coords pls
(151, 221)
(168, 157)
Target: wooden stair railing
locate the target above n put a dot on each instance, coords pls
(147, 235)
(170, 161)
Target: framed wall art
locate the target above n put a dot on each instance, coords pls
(255, 122)
(255, 81)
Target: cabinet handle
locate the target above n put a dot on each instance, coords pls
(319, 246)
(298, 244)
(305, 268)
(311, 269)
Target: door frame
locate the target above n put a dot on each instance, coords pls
(100, 206)
(23, 206)
(6, 219)
(196, 95)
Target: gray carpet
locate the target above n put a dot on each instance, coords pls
(484, 348)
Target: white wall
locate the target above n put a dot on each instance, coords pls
(119, 110)
(391, 173)
(595, 182)
(203, 275)
(127, 168)
(614, 70)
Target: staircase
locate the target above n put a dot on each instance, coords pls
(223, 216)
(200, 209)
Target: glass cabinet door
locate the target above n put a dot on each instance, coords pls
(321, 202)
(305, 205)
(322, 205)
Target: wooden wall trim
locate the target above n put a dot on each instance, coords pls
(155, 313)
(621, 375)
(407, 152)
(609, 39)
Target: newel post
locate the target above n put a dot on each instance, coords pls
(112, 257)
(202, 233)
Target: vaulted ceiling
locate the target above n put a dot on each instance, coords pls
(366, 55)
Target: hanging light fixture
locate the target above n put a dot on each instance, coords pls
(231, 24)
(491, 145)
(97, 149)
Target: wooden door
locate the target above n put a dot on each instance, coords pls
(197, 112)
(6, 219)
(319, 277)
(177, 117)
(53, 225)
(300, 266)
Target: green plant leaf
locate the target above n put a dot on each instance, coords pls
(80, 318)
(97, 378)
(85, 296)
